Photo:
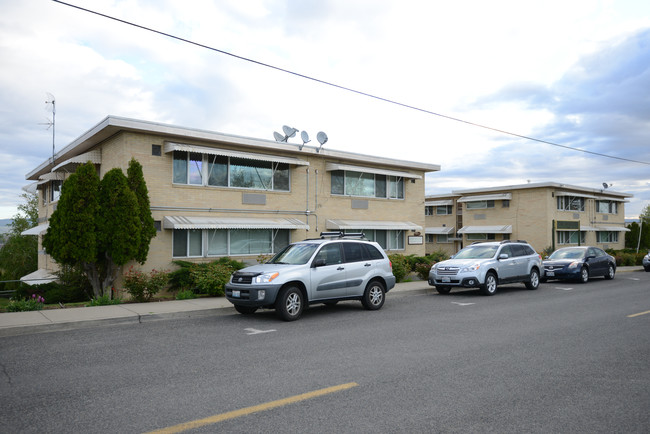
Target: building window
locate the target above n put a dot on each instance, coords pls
(606, 207)
(429, 238)
(156, 150)
(442, 238)
(480, 237)
(228, 242)
(444, 210)
(387, 239)
(428, 210)
(607, 237)
(505, 203)
(480, 204)
(571, 237)
(570, 203)
(55, 190)
(351, 183)
(214, 170)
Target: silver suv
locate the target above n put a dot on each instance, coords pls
(326, 270)
(486, 265)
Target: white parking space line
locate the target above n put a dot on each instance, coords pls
(633, 278)
(251, 331)
(563, 289)
(461, 304)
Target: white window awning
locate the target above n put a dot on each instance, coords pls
(612, 228)
(182, 222)
(36, 230)
(51, 176)
(439, 230)
(39, 277)
(438, 202)
(366, 224)
(582, 229)
(482, 197)
(507, 229)
(337, 166)
(94, 157)
(572, 194)
(170, 147)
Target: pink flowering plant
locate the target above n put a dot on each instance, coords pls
(34, 303)
(143, 286)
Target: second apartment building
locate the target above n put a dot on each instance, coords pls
(547, 215)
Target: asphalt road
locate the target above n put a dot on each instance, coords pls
(564, 358)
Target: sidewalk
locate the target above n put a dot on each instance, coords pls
(18, 323)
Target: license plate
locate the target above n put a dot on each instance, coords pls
(446, 280)
(236, 294)
(550, 273)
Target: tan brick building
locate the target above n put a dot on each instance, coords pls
(215, 194)
(544, 214)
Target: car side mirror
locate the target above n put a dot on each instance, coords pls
(318, 263)
(503, 256)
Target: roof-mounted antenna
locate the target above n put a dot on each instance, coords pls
(322, 139)
(50, 104)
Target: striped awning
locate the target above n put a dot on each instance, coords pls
(170, 147)
(337, 166)
(368, 224)
(94, 157)
(438, 202)
(439, 230)
(501, 196)
(612, 228)
(36, 230)
(507, 229)
(184, 222)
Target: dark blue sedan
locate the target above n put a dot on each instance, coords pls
(579, 263)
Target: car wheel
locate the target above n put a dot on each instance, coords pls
(245, 310)
(610, 272)
(443, 289)
(374, 295)
(646, 268)
(289, 305)
(490, 285)
(533, 281)
(584, 275)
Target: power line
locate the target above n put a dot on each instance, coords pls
(338, 86)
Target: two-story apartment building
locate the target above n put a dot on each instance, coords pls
(544, 214)
(214, 194)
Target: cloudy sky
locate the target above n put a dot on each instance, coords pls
(573, 73)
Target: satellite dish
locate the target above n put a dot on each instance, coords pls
(289, 132)
(322, 139)
(606, 185)
(279, 137)
(305, 138)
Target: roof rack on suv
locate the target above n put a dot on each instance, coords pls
(514, 241)
(341, 234)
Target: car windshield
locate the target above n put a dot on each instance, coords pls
(476, 252)
(567, 254)
(295, 254)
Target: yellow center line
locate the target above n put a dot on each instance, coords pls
(254, 409)
(639, 314)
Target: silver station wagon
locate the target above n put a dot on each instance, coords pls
(326, 270)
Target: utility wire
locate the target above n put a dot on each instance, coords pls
(347, 88)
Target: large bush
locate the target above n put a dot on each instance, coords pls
(401, 266)
(205, 278)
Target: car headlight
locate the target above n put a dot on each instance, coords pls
(472, 267)
(574, 264)
(266, 277)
